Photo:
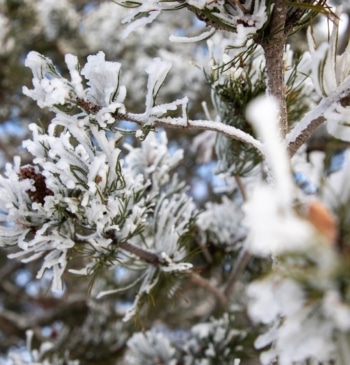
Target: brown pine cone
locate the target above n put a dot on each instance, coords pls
(41, 191)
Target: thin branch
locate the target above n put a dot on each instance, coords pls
(147, 256)
(205, 284)
(181, 123)
(241, 187)
(240, 265)
(294, 145)
(155, 259)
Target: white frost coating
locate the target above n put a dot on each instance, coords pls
(335, 308)
(203, 36)
(319, 111)
(85, 177)
(274, 225)
(150, 348)
(139, 22)
(171, 220)
(199, 4)
(152, 160)
(159, 110)
(319, 57)
(274, 228)
(49, 87)
(263, 113)
(298, 330)
(234, 16)
(76, 80)
(157, 71)
(272, 298)
(329, 70)
(229, 131)
(56, 252)
(149, 282)
(222, 223)
(103, 79)
(337, 123)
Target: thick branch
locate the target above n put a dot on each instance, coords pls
(273, 45)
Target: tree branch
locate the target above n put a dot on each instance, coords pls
(240, 265)
(294, 145)
(180, 123)
(205, 284)
(312, 120)
(145, 255)
(155, 259)
(273, 44)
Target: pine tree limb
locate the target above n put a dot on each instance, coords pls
(273, 45)
(313, 119)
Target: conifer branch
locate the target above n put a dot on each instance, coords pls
(241, 264)
(273, 44)
(205, 284)
(294, 145)
(145, 255)
(180, 123)
(312, 120)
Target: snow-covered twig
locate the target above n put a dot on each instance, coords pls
(209, 125)
(301, 132)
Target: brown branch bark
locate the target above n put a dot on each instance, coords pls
(294, 143)
(302, 138)
(147, 256)
(273, 45)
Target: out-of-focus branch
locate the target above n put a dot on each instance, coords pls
(240, 265)
(205, 284)
(72, 309)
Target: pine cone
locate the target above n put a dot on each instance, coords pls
(41, 191)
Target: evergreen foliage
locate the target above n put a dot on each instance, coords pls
(113, 248)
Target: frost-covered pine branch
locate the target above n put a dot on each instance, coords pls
(108, 208)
